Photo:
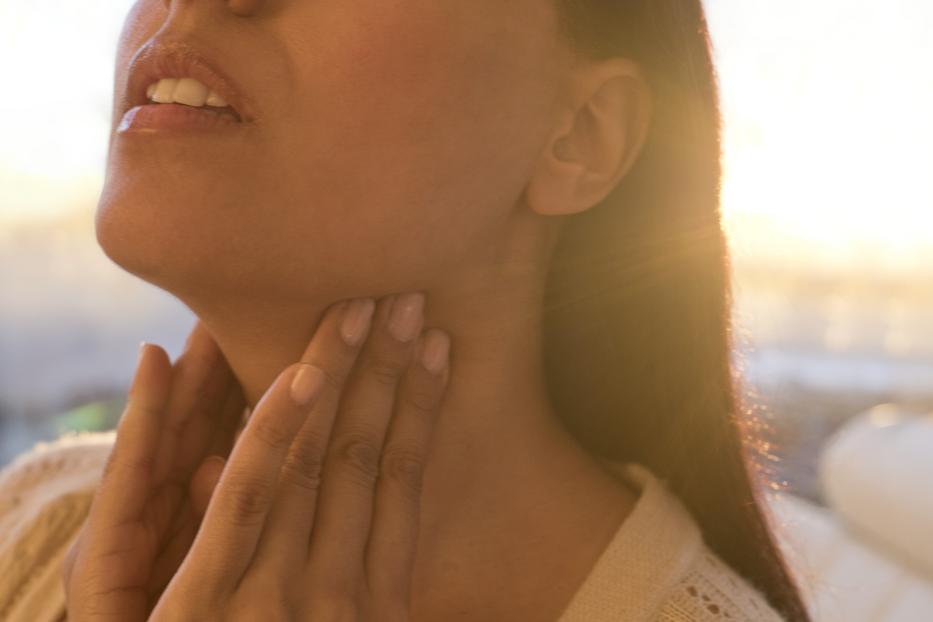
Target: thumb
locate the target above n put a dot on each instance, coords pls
(203, 482)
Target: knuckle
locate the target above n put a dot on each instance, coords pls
(384, 370)
(361, 457)
(303, 468)
(272, 431)
(421, 400)
(404, 466)
(333, 378)
(249, 499)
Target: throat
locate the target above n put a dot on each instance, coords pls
(526, 557)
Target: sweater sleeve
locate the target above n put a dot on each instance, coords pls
(45, 495)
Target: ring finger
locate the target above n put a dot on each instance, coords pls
(343, 520)
(334, 349)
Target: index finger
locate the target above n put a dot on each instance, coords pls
(237, 511)
(126, 481)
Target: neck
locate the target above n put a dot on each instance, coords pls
(498, 454)
(495, 409)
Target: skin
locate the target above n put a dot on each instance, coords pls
(304, 523)
(400, 146)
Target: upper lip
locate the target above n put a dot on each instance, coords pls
(175, 58)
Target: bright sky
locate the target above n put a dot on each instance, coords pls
(828, 109)
(829, 129)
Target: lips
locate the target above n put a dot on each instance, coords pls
(177, 58)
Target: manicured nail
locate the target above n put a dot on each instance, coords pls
(436, 351)
(357, 317)
(306, 384)
(406, 316)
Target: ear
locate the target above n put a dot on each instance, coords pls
(600, 131)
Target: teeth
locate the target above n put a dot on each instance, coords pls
(190, 92)
(164, 91)
(213, 99)
(186, 91)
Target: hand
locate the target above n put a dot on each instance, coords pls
(307, 523)
(179, 423)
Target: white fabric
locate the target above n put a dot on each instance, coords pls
(657, 568)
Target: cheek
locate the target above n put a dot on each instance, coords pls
(412, 126)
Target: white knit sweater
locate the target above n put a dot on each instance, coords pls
(657, 568)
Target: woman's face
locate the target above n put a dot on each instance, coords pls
(391, 145)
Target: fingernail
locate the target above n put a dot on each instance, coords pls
(140, 352)
(436, 350)
(356, 320)
(406, 316)
(306, 383)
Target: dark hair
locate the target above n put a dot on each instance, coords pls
(637, 334)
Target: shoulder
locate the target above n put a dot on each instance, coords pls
(711, 590)
(669, 568)
(45, 494)
(50, 471)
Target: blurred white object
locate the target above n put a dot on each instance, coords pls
(842, 578)
(867, 557)
(877, 475)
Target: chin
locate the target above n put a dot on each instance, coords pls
(125, 232)
(176, 246)
(149, 241)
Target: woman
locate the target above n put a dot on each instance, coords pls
(537, 181)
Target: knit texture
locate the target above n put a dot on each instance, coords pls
(656, 568)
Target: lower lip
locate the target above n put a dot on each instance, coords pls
(175, 117)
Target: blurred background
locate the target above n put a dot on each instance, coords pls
(828, 203)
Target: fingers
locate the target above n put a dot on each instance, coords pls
(211, 425)
(334, 348)
(344, 514)
(200, 379)
(178, 543)
(203, 388)
(127, 478)
(187, 505)
(390, 553)
(203, 483)
(114, 544)
(237, 510)
(230, 423)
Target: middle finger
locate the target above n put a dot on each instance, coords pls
(342, 524)
(333, 348)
